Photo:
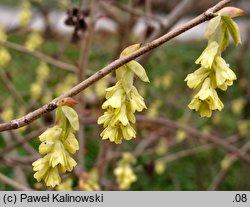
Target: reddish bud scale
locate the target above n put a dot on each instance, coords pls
(231, 12)
(67, 102)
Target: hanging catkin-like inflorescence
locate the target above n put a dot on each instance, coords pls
(57, 144)
(123, 100)
(214, 71)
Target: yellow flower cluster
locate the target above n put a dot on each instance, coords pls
(34, 40)
(124, 172)
(227, 161)
(69, 82)
(25, 14)
(63, 4)
(7, 113)
(123, 100)
(65, 185)
(99, 86)
(4, 57)
(4, 53)
(214, 71)
(89, 181)
(57, 144)
(42, 73)
(160, 167)
(154, 108)
(162, 146)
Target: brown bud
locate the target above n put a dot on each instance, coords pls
(67, 102)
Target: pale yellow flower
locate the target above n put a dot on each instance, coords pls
(47, 97)
(33, 41)
(223, 74)
(62, 87)
(51, 134)
(7, 114)
(71, 144)
(36, 90)
(99, 87)
(42, 71)
(162, 147)
(181, 135)
(123, 100)
(118, 132)
(196, 78)
(226, 162)
(5, 57)
(89, 181)
(243, 127)
(124, 176)
(207, 57)
(154, 108)
(160, 167)
(167, 80)
(25, 14)
(52, 177)
(66, 185)
(64, 4)
(41, 166)
(214, 72)
(238, 105)
(70, 163)
(57, 143)
(136, 100)
(206, 100)
(58, 155)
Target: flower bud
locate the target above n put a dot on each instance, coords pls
(231, 12)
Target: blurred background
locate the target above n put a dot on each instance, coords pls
(47, 47)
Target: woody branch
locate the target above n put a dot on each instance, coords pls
(30, 117)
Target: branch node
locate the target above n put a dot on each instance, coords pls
(209, 14)
(51, 106)
(15, 124)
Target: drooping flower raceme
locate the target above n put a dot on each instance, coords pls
(124, 173)
(25, 14)
(123, 100)
(88, 181)
(34, 40)
(42, 74)
(214, 71)
(57, 143)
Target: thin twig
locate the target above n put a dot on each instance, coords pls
(12, 183)
(134, 11)
(175, 15)
(18, 137)
(226, 144)
(211, 138)
(222, 174)
(39, 55)
(194, 150)
(17, 123)
(27, 138)
(10, 87)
